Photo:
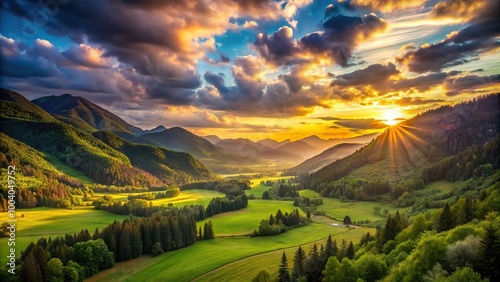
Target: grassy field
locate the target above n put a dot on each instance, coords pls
(247, 268)
(205, 256)
(258, 189)
(187, 197)
(246, 220)
(443, 186)
(357, 211)
(45, 222)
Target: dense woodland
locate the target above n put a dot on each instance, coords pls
(82, 255)
(460, 242)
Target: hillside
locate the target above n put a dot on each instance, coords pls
(212, 138)
(300, 148)
(80, 112)
(397, 158)
(79, 150)
(324, 158)
(169, 166)
(179, 139)
(273, 143)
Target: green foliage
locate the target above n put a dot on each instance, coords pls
(462, 253)
(446, 219)
(263, 276)
(371, 267)
(488, 257)
(94, 256)
(280, 223)
(298, 263)
(283, 272)
(465, 274)
(55, 270)
(156, 249)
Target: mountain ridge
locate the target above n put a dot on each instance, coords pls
(84, 111)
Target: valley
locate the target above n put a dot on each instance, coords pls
(379, 201)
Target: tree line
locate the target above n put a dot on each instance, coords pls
(82, 255)
(280, 223)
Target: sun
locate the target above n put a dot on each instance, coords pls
(391, 116)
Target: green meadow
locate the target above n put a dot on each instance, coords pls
(187, 197)
(357, 211)
(258, 189)
(50, 222)
(442, 186)
(231, 256)
(246, 220)
(189, 263)
(247, 268)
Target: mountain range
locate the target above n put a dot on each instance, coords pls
(76, 114)
(72, 149)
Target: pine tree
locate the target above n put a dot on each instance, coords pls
(350, 251)
(96, 235)
(41, 260)
(446, 219)
(330, 248)
(200, 234)
(347, 220)
(209, 231)
(298, 263)
(488, 257)
(271, 220)
(30, 270)
(283, 274)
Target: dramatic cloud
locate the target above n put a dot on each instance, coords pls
(469, 83)
(467, 10)
(461, 46)
(338, 37)
(387, 5)
(416, 101)
(361, 123)
(373, 74)
(279, 47)
(282, 97)
(383, 81)
(458, 48)
(160, 40)
(341, 35)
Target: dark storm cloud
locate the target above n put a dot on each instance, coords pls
(153, 37)
(338, 37)
(217, 81)
(279, 48)
(341, 35)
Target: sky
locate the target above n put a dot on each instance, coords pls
(254, 68)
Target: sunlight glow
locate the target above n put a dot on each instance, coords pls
(392, 117)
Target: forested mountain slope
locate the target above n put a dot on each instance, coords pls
(394, 162)
(80, 111)
(81, 151)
